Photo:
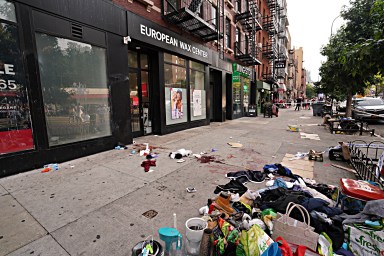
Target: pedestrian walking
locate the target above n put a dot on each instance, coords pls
(298, 103)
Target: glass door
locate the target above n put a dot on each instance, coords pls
(138, 74)
(135, 103)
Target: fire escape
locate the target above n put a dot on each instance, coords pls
(281, 62)
(247, 51)
(270, 50)
(198, 17)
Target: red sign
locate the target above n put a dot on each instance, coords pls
(16, 140)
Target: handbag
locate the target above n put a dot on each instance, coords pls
(294, 231)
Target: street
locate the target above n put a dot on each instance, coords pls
(95, 205)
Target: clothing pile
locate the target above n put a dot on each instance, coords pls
(290, 216)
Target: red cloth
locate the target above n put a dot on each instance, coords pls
(147, 164)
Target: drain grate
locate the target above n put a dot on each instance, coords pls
(150, 214)
(161, 188)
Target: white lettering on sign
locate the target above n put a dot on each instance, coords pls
(150, 32)
(8, 84)
(8, 70)
(160, 36)
(244, 70)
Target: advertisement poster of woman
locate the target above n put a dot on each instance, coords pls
(196, 96)
(176, 103)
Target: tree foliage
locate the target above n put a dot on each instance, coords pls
(310, 91)
(354, 54)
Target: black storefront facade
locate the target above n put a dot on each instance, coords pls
(77, 78)
(178, 80)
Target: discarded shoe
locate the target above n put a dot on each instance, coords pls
(317, 156)
(241, 207)
(223, 203)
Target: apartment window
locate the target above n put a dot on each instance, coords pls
(200, 12)
(228, 33)
(247, 44)
(75, 89)
(238, 6)
(214, 16)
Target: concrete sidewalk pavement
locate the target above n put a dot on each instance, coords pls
(94, 205)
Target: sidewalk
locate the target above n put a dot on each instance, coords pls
(94, 205)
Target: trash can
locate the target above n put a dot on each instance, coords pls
(252, 110)
(317, 108)
(327, 109)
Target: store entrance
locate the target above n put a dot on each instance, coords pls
(139, 83)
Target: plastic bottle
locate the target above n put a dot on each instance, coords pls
(52, 166)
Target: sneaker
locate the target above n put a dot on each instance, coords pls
(246, 198)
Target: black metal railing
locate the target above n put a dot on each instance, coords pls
(250, 17)
(270, 50)
(270, 24)
(270, 77)
(365, 158)
(199, 17)
(247, 53)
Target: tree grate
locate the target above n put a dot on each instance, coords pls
(150, 214)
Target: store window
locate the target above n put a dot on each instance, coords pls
(74, 86)
(175, 78)
(15, 117)
(197, 91)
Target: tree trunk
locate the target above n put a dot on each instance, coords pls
(348, 111)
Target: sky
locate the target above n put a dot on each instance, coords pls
(310, 24)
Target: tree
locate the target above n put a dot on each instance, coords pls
(310, 91)
(354, 54)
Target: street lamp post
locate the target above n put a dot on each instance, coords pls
(332, 24)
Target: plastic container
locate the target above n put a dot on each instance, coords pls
(317, 108)
(194, 232)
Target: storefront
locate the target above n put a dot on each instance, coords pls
(263, 95)
(238, 95)
(175, 88)
(74, 83)
(63, 82)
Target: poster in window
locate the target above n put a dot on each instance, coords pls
(176, 103)
(196, 97)
(15, 121)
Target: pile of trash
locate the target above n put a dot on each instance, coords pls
(290, 216)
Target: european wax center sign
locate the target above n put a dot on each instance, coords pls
(165, 38)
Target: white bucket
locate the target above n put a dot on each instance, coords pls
(195, 229)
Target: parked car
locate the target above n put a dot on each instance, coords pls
(368, 108)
